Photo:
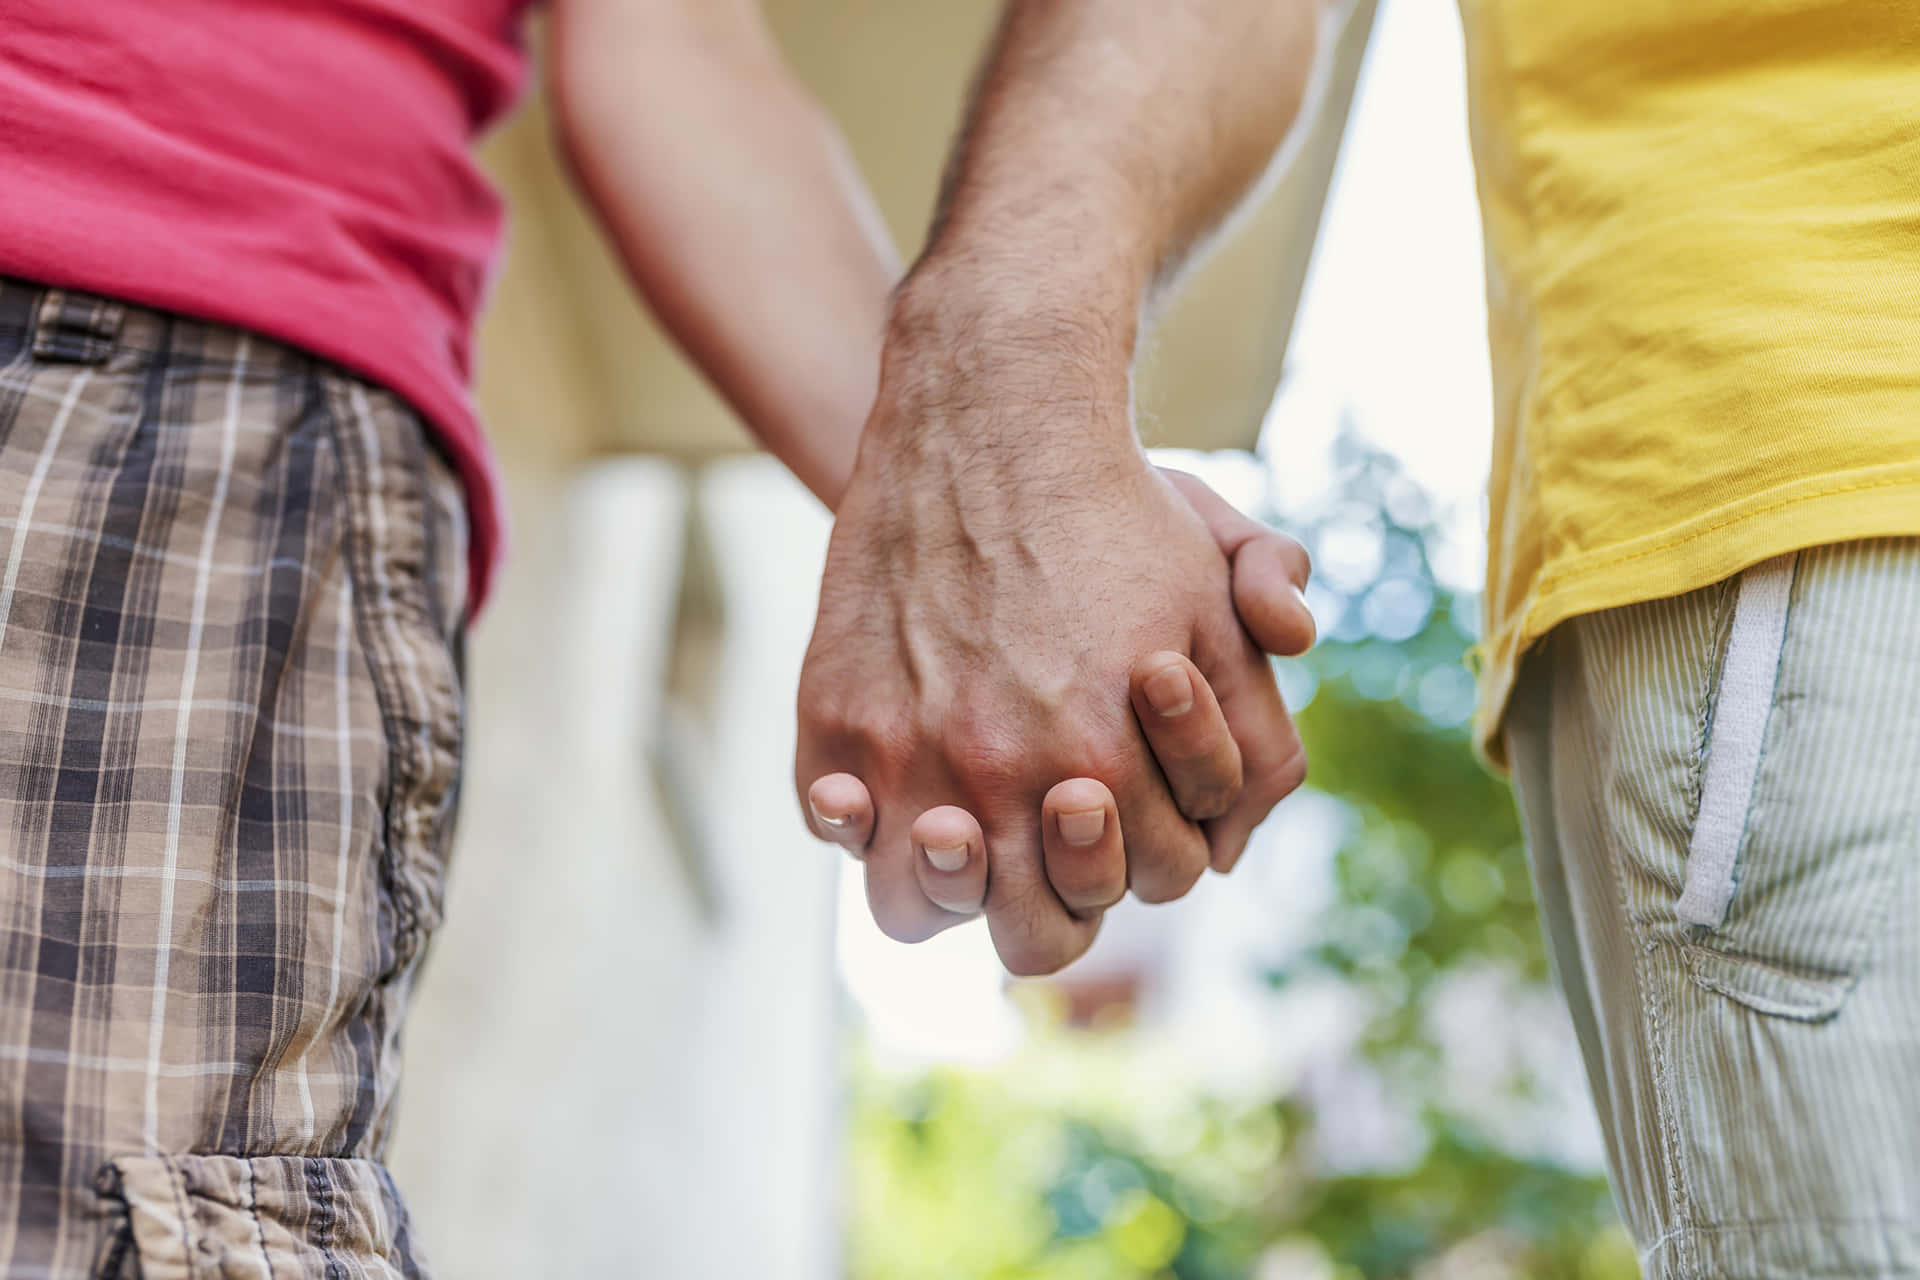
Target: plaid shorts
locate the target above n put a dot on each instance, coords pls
(231, 598)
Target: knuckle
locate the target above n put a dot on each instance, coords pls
(1088, 883)
(1116, 765)
(874, 734)
(1209, 798)
(1116, 761)
(981, 754)
(831, 719)
(1031, 934)
(1168, 880)
(1283, 778)
(1187, 749)
(1095, 900)
(1227, 856)
(1096, 741)
(817, 700)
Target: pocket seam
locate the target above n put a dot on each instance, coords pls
(415, 733)
(1833, 994)
(1731, 959)
(1735, 747)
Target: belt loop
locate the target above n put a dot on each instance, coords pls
(79, 327)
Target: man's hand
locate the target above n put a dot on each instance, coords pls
(1107, 138)
(987, 602)
(1084, 850)
(1004, 556)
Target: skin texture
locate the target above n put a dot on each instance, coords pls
(1003, 659)
(988, 626)
(1004, 557)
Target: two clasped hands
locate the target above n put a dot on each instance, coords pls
(1038, 676)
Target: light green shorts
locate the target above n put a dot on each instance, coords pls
(1721, 794)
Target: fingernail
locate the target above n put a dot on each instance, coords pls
(1169, 691)
(1083, 828)
(831, 824)
(947, 859)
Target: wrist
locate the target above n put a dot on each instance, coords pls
(1030, 313)
(973, 355)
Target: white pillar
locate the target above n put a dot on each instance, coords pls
(605, 1075)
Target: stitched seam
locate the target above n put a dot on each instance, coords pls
(1708, 702)
(1857, 950)
(176, 1181)
(1503, 642)
(324, 1215)
(1587, 564)
(109, 1184)
(253, 1211)
(1679, 1234)
(355, 536)
(1805, 1011)
(1796, 973)
(1716, 840)
(1672, 1166)
(392, 623)
(1666, 1097)
(1716, 945)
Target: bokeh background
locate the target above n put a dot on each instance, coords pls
(659, 1035)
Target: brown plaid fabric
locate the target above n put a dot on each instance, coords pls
(231, 593)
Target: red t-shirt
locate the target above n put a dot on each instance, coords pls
(298, 167)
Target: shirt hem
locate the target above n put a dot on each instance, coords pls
(1876, 503)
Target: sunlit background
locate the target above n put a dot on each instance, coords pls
(660, 1035)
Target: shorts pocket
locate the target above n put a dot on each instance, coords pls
(406, 557)
(1809, 818)
(267, 1218)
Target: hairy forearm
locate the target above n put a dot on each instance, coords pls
(732, 200)
(1106, 139)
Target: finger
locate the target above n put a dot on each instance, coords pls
(1166, 853)
(1033, 931)
(900, 907)
(1267, 582)
(1232, 530)
(1080, 835)
(1272, 761)
(840, 809)
(1270, 570)
(950, 859)
(1272, 776)
(1189, 736)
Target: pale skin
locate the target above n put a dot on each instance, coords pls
(1036, 678)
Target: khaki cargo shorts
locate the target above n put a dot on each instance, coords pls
(1721, 793)
(231, 593)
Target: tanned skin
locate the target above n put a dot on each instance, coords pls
(1012, 591)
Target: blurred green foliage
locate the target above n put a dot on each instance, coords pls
(1074, 1161)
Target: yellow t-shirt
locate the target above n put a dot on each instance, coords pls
(1702, 224)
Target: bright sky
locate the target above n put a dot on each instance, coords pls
(1393, 328)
